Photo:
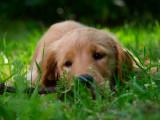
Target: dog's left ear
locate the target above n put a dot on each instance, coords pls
(50, 73)
(124, 63)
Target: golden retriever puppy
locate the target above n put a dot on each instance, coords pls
(74, 47)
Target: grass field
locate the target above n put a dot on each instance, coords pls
(17, 42)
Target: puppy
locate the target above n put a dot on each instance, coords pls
(74, 47)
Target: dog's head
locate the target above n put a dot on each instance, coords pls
(82, 49)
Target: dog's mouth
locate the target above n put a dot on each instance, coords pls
(84, 79)
(50, 83)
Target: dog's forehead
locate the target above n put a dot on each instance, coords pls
(84, 36)
(83, 39)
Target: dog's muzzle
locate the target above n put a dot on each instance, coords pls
(86, 79)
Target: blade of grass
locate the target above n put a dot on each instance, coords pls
(140, 66)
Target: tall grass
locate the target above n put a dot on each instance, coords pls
(141, 101)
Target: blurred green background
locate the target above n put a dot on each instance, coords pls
(103, 12)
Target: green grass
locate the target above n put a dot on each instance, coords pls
(17, 42)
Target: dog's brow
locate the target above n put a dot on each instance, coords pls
(69, 55)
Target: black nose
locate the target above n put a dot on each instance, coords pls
(86, 79)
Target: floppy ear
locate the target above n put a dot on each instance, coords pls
(50, 72)
(124, 63)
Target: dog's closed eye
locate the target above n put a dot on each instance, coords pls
(98, 56)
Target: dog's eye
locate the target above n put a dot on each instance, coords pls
(68, 64)
(98, 56)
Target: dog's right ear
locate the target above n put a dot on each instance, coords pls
(50, 72)
(124, 62)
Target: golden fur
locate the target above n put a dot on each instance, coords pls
(74, 42)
